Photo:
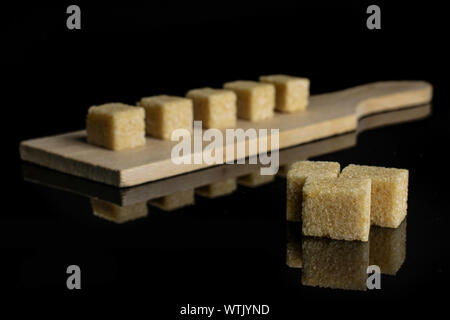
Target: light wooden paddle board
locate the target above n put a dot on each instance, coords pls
(327, 115)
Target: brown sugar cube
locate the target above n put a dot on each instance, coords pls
(164, 114)
(296, 177)
(292, 93)
(284, 169)
(255, 179)
(218, 189)
(255, 100)
(116, 126)
(338, 208)
(175, 200)
(216, 108)
(334, 264)
(388, 248)
(293, 244)
(114, 213)
(389, 193)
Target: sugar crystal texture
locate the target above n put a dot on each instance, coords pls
(175, 200)
(292, 93)
(118, 214)
(334, 264)
(164, 114)
(389, 193)
(116, 126)
(255, 100)
(388, 248)
(218, 189)
(296, 177)
(216, 108)
(338, 208)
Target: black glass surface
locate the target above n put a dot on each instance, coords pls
(232, 249)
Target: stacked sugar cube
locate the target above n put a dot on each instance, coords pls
(343, 206)
(117, 126)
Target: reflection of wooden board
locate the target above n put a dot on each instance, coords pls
(327, 115)
(192, 180)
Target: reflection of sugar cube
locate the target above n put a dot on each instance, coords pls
(175, 200)
(388, 248)
(334, 264)
(293, 244)
(112, 212)
(116, 126)
(218, 189)
(255, 179)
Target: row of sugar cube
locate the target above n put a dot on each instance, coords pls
(118, 126)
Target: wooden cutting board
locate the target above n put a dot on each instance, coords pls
(200, 178)
(327, 115)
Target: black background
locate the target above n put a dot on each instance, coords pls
(229, 250)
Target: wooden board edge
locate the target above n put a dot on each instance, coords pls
(67, 165)
(396, 101)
